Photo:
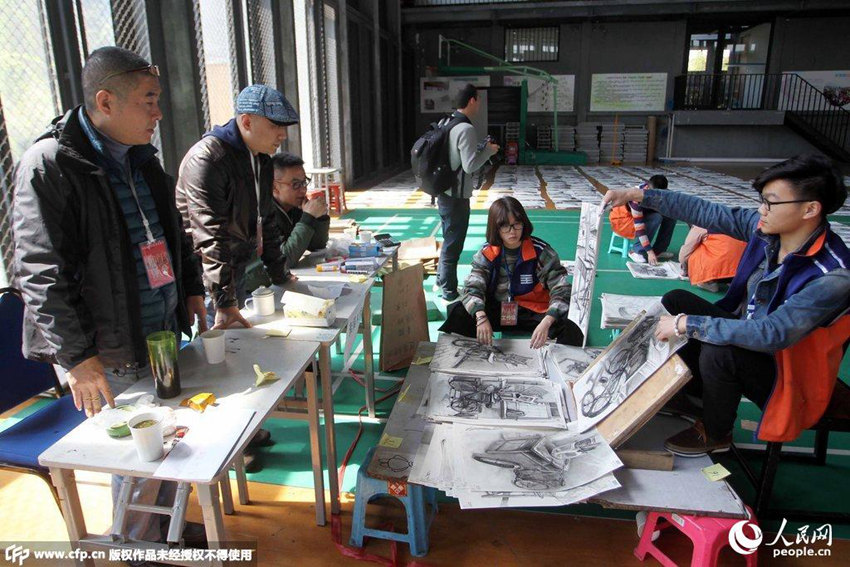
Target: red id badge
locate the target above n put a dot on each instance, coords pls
(259, 237)
(509, 313)
(157, 263)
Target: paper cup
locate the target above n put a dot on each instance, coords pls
(146, 429)
(365, 236)
(213, 345)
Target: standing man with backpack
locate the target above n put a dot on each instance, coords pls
(465, 157)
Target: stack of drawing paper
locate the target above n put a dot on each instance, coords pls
(585, 267)
(661, 271)
(626, 364)
(635, 144)
(496, 401)
(620, 310)
(491, 468)
(611, 143)
(587, 140)
(456, 354)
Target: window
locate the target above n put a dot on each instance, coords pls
(532, 44)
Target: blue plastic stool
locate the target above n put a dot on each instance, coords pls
(413, 496)
(623, 248)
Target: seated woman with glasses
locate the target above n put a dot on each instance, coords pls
(517, 283)
(778, 335)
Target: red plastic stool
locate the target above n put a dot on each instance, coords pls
(709, 535)
(336, 194)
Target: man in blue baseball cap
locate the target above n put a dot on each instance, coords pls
(218, 195)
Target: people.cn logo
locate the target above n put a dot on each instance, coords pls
(741, 542)
(17, 554)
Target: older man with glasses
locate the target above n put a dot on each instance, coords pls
(303, 222)
(93, 209)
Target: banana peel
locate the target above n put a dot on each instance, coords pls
(264, 377)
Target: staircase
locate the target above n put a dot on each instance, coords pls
(816, 116)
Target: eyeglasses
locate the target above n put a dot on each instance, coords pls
(506, 228)
(769, 204)
(297, 184)
(152, 69)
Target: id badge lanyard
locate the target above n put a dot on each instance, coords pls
(509, 308)
(154, 250)
(259, 215)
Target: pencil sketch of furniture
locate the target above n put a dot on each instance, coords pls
(471, 349)
(537, 462)
(469, 397)
(606, 385)
(535, 467)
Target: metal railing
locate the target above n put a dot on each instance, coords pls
(816, 110)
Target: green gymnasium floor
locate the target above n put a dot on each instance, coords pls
(288, 461)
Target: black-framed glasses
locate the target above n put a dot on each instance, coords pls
(297, 184)
(506, 228)
(152, 69)
(769, 203)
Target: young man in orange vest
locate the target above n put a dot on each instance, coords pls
(778, 335)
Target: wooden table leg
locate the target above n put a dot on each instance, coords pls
(241, 479)
(315, 442)
(72, 511)
(226, 493)
(330, 434)
(369, 373)
(213, 519)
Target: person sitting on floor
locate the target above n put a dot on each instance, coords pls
(516, 282)
(634, 221)
(778, 334)
(710, 259)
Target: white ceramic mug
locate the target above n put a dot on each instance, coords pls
(148, 440)
(213, 345)
(261, 301)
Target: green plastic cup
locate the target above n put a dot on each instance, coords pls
(162, 352)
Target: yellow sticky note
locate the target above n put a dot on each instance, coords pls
(390, 441)
(422, 360)
(278, 332)
(357, 278)
(715, 472)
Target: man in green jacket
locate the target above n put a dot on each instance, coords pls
(304, 223)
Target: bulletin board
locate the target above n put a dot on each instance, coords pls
(437, 94)
(628, 92)
(541, 96)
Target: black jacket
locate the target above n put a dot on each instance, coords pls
(299, 232)
(218, 202)
(73, 257)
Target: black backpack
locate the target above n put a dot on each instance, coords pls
(429, 157)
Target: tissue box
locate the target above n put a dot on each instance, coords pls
(302, 310)
(364, 250)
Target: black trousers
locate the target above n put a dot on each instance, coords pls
(722, 373)
(459, 321)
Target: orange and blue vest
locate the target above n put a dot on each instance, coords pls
(806, 371)
(525, 286)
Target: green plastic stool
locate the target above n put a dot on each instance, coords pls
(623, 248)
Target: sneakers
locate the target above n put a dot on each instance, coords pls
(694, 442)
(450, 296)
(261, 438)
(637, 257)
(664, 256)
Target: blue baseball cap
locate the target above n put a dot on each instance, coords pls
(266, 101)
